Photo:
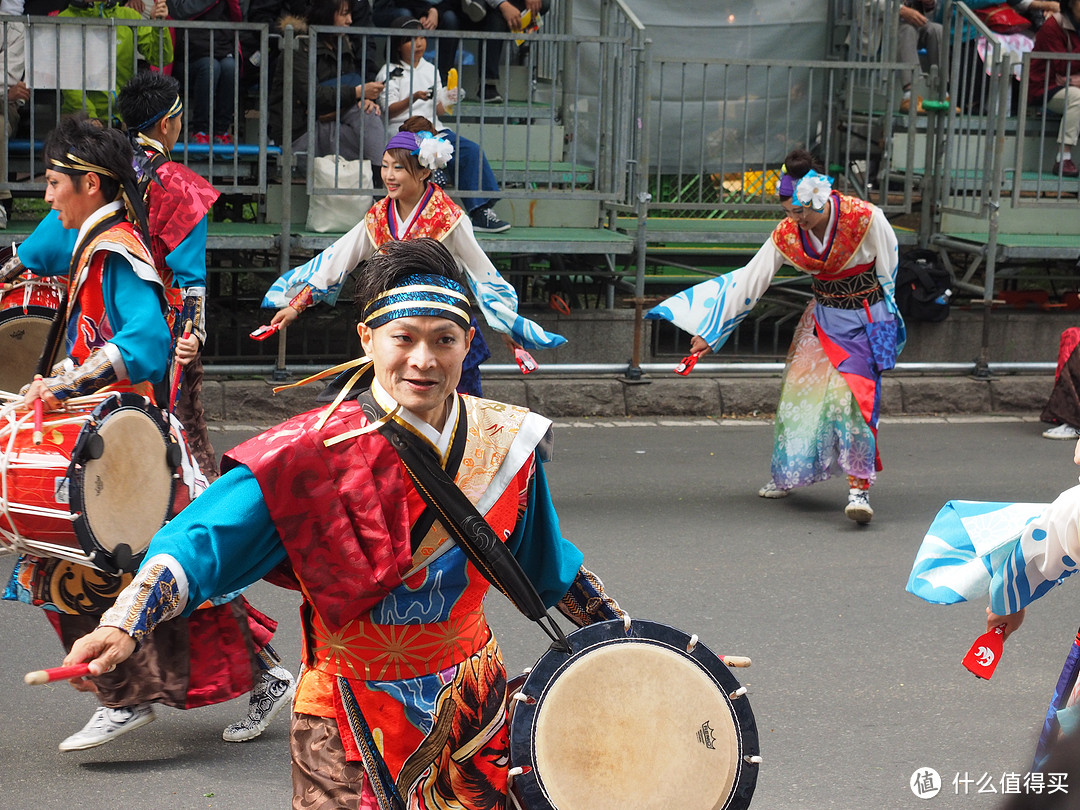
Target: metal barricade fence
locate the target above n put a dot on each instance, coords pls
(75, 63)
(553, 144)
(724, 126)
(1036, 144)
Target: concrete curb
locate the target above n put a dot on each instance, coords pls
(253, 402)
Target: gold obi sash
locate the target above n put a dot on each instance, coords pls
(363, 650)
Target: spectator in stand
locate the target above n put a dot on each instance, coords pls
(413, 88)
(211, 59)
(432, 15)
(13, 64)
(1055, 83)
(154, 45)
(918, 42)
(348, 117)
(498, 17)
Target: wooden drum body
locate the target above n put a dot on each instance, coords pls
(97, 488)
(637, 718)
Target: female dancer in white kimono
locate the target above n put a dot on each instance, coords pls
(850, 333)
(414, 207)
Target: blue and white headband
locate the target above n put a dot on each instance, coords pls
(421, 295)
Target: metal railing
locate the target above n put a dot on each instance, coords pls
(72, 64)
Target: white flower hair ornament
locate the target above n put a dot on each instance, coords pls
(813, 189)
(435, 151)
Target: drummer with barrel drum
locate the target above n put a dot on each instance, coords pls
(392, 509)
(104, 467)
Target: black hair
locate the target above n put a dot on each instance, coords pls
(321, 12)
(798, 163)
(396, 41)
(87, 140)
(147, 94)
(397, 259)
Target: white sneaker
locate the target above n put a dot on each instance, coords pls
(771, 490)
(271, 694)
(1063, 432)
(3, 217)
(107, 724)
(858, 506)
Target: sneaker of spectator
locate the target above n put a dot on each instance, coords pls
(491, 94)
(485, 220)
(1066, 168)
(224, 139)
(201, 138)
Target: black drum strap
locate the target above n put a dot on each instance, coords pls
(473, 534)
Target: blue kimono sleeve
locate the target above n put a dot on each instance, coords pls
(47, 250)
(140, 331)
(549, 559)
(224, 541)
(188, 259)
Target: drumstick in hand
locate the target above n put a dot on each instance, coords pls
(56, 674)
(178, 369)
(39, 417)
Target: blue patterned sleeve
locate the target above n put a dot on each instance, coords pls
(224, 541)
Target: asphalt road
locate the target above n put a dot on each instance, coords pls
(855, 684)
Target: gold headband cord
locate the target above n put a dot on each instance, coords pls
(79, 165)
(364, 364)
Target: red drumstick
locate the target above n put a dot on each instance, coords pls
(178, 369)
(56, 674)
(39, 417)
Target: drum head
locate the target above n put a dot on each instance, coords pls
(125, 486)
(635, 723)
(22, 339)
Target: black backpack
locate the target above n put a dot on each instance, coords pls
(923, 286)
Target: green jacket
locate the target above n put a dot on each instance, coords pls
(155, 46)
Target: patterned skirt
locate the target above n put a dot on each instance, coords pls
(818, 421)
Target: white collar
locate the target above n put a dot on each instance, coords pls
(439, 440)
(96, 217)
(818, 244)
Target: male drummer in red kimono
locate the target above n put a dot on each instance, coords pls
(117, 338)
(394, 625)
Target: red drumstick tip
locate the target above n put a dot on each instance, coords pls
(56, 674)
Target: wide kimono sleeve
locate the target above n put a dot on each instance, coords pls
(495, 296)
(549, 559)
(221, 543)
(188, 259)
(1011, 552)
(714, 308)
(140, 331)
(47, 250)
(325, 274)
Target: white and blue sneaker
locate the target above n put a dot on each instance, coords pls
(107, 724)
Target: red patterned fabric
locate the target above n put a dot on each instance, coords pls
(85, 292)
(856, 216)
(438, 215)
(353, 492)
(175, 207)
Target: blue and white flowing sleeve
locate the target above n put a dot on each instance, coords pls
(325, 274)
(497, 300)
(715, 307)
(882, 239)
(1012, 552)
(221, 543)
